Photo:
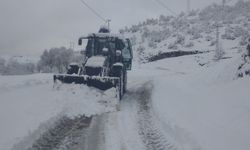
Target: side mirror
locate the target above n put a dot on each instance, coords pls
(80, 41)
(105, 51)
(118, 53)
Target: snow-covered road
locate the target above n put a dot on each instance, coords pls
(133, 127)
(170, 104)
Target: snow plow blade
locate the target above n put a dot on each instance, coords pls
(102, 83)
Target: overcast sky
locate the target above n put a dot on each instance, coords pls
(27, 27)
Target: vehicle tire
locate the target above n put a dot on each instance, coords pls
(125, 81)
(119, 72)
(121, 84)
(73, 70)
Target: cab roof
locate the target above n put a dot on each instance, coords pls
(104, 35)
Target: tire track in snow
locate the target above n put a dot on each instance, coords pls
(96, 137)
(67, 133)
(83, 133)
(151, 134)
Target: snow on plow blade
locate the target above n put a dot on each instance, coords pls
(102, 83)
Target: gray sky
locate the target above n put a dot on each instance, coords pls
(27, 27)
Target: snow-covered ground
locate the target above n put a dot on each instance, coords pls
(204, 103)
(199, 102)
(195, 103)
(26, 102)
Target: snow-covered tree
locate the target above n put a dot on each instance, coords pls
(13, 67)
(173, 46)
(141, 53)
(2, 65)
(133, 40)
(190, 44)
(229, 34)
(244, 66)
(248, 48)
(55, 59)
(197, 26)
(134, 28)
(219, 52)
(180, 39)
(152, 44)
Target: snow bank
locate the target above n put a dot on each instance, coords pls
(28, 101)
(216, 117)
(244, 66)
(9, 83)
(200, 103)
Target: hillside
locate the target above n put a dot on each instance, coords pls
(193, 31)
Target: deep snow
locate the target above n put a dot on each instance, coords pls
(28, 101)
(197, 103)
(206, 106)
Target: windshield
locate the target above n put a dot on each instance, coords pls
(95, 46)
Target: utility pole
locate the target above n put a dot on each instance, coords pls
(108, 22)
(218, 47)
(217, 39)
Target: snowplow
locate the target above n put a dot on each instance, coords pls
(107, 58)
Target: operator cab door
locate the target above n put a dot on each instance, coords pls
(127, 55)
